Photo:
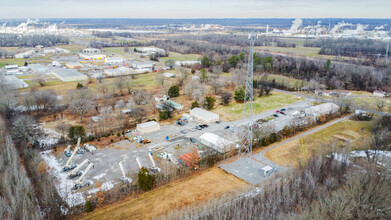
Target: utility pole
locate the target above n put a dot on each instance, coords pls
(388, 47)
(246, 136)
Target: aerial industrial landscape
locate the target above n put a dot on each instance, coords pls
(195, 118)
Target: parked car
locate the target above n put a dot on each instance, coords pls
(275, 115)
(283, 109)
(192, 140)
(278, 111)
(226, 127)
(146, 141)
(218, 122)
(198, 127)
(183, 131)
(283, 113)
(192, 129)
(290, 108)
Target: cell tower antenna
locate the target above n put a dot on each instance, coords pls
(246, 136)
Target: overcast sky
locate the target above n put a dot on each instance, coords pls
(195, 8)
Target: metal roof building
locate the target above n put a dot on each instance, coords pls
(216, 142)
(148, 127)
(204, 115)
(322, 109)
(68, 75)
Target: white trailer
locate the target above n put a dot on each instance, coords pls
(124, 178)
(81, 182)
(154, 168)
(76, 172)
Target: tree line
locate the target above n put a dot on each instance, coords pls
(15, 40)
(351, 47)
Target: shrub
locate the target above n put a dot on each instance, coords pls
(111, 140)
(118, 134)
(89, 206)
(76, 131)
(209, 102)
(79, 86)
(173, 91)
(239, 95)
(194, 105)
(226, 97)
(163, 115)
(145, 179)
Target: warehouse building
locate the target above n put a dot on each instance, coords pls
(92, 56)
(12, 82)
(38, 68)
(91, 50)
(142, 65)
(148, 127)
(114, 60)
(204, 115)
(69, 75)
(74, 65)
(216, 142)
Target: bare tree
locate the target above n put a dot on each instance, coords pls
(24, 129)
(128, 83)
(8, 102)
(380, 104)
(81, 102)
(120, 104)
(160, 78)
(138, 114)
(63, 128)
(106, 113)
(140, 97)
(131, 104)
(226, 97)
(119, 83)
(104, 89)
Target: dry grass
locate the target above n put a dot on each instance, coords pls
(190, 191)
(300, 149)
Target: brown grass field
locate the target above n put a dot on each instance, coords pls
(301, 149)
(190, 191)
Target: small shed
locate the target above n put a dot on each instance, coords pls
(204, 115)
(216, 142)
(148, 127)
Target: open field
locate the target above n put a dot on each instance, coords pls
(363, 99)
(17, 61)
(117, 50)
(190, 191)
(143, 81)
(301, 149)
(300, 51)
(287, 81)
(276, 100)
(180, 57)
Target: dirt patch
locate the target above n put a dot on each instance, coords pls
(190, 191)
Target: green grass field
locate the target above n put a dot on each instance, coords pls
(117, 50)
(180, 57)
(275, 100)
(290, 82)
(19, 62)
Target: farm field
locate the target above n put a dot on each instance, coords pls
(301, 149)
(276, 100)
(190, 191)
(17, 61)
(290, 82)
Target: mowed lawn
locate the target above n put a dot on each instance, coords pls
(301, 149)
(275, 100)
(191, 191)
